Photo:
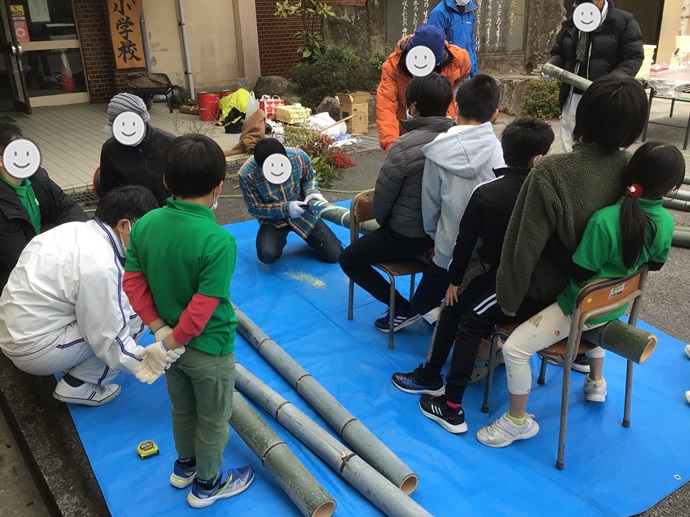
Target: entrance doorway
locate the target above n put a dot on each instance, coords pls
(42, 54)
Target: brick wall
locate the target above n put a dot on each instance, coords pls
(277, 42)
(96, 47)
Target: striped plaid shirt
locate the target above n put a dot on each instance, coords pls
(269, 203)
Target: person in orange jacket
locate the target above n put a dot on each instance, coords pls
(450, 61)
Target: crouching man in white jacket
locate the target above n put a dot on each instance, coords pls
(64, 309)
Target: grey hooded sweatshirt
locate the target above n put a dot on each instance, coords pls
(456, 163)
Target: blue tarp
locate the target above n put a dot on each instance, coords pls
(302, 304)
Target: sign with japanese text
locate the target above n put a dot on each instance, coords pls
(21, 31)
(17, 10)
(125, 33)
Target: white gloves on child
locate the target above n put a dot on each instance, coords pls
(295, 209)
(163, 332)
(316, 197)
(156, 359)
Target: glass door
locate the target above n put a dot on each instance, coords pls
(13, 94)
(51, 59)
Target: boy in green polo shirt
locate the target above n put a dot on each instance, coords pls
(179, 264)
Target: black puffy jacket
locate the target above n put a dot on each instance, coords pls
(615, 48)
(398, 192)
(16, 229)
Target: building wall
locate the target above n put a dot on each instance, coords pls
(211, 38)
(277, 43)
(670, 28)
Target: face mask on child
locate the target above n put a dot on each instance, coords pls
(122, 241)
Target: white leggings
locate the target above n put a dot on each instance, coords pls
(541, 331)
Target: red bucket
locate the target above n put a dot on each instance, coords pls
(225, 93)
(208, 105)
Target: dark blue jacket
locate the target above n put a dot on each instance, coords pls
(458, 26)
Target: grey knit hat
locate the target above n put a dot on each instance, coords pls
(125, 102)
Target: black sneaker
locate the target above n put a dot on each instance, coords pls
(415, 383)
(436, 409)
(580, 364)
(400, 321)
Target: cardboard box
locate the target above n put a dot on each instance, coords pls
(292, 114)
(356, 104)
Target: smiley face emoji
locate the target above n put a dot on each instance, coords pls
(587, 17)
(129, 128)
(277, 169)
(420, 61)
(21, 158)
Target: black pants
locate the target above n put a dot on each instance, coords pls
(381, 245)
(430, 291)
(270, 242)
(476, 323)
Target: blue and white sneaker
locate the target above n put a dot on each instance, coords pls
(183, 474)
(230, 482)
(415, 383)
(400, 321)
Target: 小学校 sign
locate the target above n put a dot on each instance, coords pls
(125, 33)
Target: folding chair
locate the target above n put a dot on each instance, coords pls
(595, 299)
(362, 210)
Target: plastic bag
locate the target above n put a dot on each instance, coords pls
(252, 104)
(324, 120)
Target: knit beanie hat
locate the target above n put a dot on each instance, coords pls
(125, 102)
(432, 37)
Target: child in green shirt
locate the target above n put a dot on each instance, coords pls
(178, 270)
(617, 241)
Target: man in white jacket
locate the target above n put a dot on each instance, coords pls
(64, 308)
(456, 162)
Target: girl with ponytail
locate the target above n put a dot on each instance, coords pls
(617, 241)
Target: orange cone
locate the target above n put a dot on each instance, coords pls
(68, 84)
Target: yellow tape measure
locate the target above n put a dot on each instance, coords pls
(147, 448)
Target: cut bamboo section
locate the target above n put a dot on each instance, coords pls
(566, 77)
(372, 485)
(297, 482)
(625, 340)
(363, 441)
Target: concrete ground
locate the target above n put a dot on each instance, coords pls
(665, 307)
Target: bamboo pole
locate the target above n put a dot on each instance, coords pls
(681, 239)
(345, 424)
(625, 340)
(682, 195)
(676, 204)
(566, 77)
(293, 477)
(341, 216)
(342, 460)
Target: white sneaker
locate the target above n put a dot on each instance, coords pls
(87, 394)
(595, 391)
(503, 432)
(687, 351)
(433, 315)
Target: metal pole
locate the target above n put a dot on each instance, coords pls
(351, 429)
(185, 48)
(342, 460)
(293, 477)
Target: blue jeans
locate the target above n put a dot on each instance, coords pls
(270, 242)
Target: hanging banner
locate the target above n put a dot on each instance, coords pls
(125, 33)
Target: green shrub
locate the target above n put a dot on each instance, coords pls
(335, 70)
(540, 99)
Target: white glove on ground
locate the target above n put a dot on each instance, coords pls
(316, 197)
(295, 209)
(162, 333)
(156, 359)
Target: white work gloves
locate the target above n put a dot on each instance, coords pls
(156, 359)
(316, 197)
(163, 332)
(295, 208)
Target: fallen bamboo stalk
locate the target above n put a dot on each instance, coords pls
(297, 482)
(363, 441)
(342, 460)
(680, 195)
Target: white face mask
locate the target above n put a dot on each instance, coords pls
(407, 112)
(122, 241)
(462, 3)
(215, 204)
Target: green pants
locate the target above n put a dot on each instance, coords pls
(200, 386)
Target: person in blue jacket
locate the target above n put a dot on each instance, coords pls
(456, 19)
